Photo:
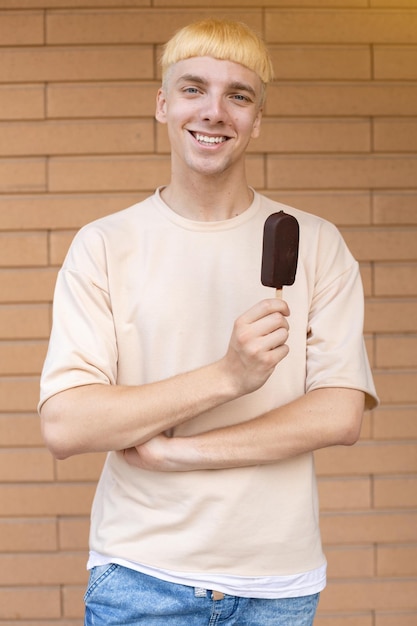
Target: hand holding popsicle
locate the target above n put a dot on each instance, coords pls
(280, 251)
(258, 341)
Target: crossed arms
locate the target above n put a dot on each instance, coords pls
(100, 417)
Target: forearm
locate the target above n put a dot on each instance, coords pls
(98, 417)
(322, 418)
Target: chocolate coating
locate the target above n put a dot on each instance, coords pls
(280, 250)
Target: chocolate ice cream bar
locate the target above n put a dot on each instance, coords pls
(280, 251)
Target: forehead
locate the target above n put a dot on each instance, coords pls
(210, 70)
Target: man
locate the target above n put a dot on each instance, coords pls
(209, 393)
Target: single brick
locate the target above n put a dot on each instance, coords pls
(323, 62)
(395, 135)
(22, 357)
(341, 171)
(396, 351)
(108, 173)
(358, 528)
(395, 62)
(43, 569)
(24, 321)
(392, 594)
(47, 499)
(396, 279)
(25, 465)
(23, 249)
(344, 493)
(22, 175)
(30, 602)
(395, 492)
(19, 102)
(99, 99)
(19, 394)
(18, 65)
(395, 207)
(400, 618)
(348, 99)
(350, 562)
(382, 243)
(21, 28)
(391, 315)
(398, 422)
(28, 535)
(71, 137)
(20, 430)
(396, 386)
(367, 457)
(56, 211)
(27, 285)
(313, 135)
(336, 26)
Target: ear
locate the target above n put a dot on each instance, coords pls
(256, 129)
(161, 106)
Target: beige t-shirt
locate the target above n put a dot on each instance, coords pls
(145, 294)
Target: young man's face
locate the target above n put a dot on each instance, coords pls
(212, 109)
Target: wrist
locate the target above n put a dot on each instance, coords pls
(229, 380)
(182, 455)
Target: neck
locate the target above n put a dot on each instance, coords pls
(208, 199)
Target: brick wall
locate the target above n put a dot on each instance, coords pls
(78, 140)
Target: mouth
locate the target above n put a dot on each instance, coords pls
(209, 140)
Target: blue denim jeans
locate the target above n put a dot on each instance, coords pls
(118, 596)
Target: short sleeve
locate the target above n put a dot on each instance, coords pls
(82, 347)
(336, 354)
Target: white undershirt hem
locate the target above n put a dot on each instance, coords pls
(267, 587)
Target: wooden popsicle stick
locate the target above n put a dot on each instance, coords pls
(278, 293)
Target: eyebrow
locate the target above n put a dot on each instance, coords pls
(235, 85)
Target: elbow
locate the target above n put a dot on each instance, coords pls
(55, 442)
(342, 416)
(350, 410)
(350, 430)
(351, 433)
(54, 432)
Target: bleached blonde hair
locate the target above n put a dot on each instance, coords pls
(220, 39)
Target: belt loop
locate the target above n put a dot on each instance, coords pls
(199, 592)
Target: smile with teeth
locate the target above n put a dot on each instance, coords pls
(205, 139)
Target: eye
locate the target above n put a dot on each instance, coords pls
(191, 90)
(240, 97)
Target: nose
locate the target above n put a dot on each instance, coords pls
(214, 110)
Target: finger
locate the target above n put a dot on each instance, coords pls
(270, 324)
(276, 339)
(131, 456)
(261, 346)
(264, 308)
(247, 333)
